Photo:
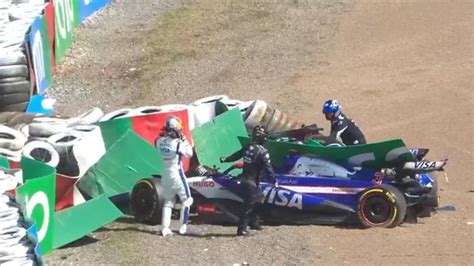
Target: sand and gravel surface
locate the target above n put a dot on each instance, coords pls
(401, 69)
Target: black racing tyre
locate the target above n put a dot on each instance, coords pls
(13, 79)
(13, 59)
(18, 107)
(13, 87)
(381, 206)
(13, 71)
(14, 98)
(146, 201)
(426, 211)
(434, 188)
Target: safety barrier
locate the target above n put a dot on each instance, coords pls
(34, 37)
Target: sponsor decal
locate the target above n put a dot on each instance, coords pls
(425, 165)
(204, 184)
(282, 197)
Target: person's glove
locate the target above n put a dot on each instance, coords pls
(222, 159)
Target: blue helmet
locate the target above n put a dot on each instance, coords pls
(331, 106)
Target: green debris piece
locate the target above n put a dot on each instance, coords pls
(372, 155)
(112, 130)
(4, 162)
(219, 138)
(75, 222)
(127, 160)
(36, 198)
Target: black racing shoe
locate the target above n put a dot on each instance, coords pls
(242, 232)
(257, 227)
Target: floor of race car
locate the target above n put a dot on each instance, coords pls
(400, 69)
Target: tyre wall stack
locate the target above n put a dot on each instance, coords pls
(34, 37)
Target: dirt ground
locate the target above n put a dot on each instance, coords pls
(401, 69)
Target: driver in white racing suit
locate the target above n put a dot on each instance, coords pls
(172, 145)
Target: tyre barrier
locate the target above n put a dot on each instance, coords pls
(11, 139)
(89, 148)
(16, 17)
(16, 248)
(41, 128)
(273, 120)
(204, 110)
(210, 99)
(90, 117)
(231, 103)
(17, 120)
(41, 151)
(63, 143)
(147, 110)
(12, 142)
(15, 87)
(120, 113)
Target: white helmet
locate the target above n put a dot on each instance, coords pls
(173, 123)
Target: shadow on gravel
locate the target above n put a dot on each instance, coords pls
(81, 242)
(212, 235)
(126, 220)
(127, 229)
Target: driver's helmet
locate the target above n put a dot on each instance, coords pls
(259, 135)
(332, 106)
(173, 123)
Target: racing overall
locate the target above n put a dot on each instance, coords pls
(256, 159)
(346, 131)
(173, 178)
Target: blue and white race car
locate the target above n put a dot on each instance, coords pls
(311, 190)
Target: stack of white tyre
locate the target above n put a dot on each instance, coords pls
(15, 246)
(16, 16)
(12, 142)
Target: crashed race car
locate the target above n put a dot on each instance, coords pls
(375, 185)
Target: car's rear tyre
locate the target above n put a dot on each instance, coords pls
(426, 211)
(381, 206)
(146, 201)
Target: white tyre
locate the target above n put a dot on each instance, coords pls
(11, 139)
(42, 151)
(210, 99)
(121, 113)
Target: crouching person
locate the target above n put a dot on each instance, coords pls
(172, 145)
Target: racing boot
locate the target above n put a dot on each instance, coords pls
(243, 231)
(183, 229)
(254, 222)
(256, 226)
(166, 232)
(166, 221)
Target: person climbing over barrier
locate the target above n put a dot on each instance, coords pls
(343, 129)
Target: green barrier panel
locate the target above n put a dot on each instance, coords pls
(112, 130)
(33, 169)
(373, 155)
(220, 108)
(36, 198)
(219, 137)
(128, 160)
(75, 222)
(4, 162)
(66, 17)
